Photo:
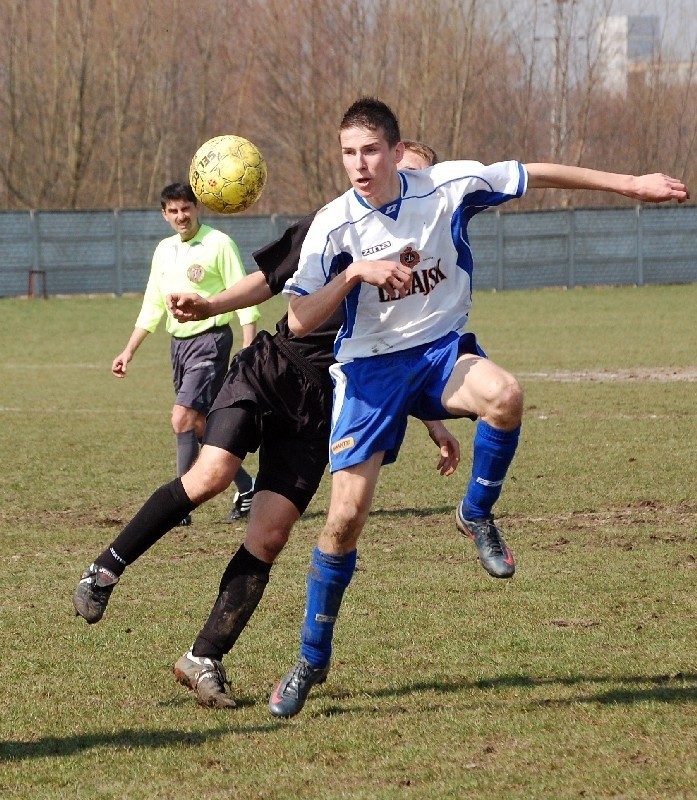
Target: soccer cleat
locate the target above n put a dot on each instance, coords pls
(494, 554)
(92, 593)
(290, 694)
(241, 503)
(185, 522)
(206, 677)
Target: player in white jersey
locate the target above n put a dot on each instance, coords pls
(394, 251)
(425, 229)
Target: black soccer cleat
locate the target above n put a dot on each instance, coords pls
(290, 694)
(241, 505)
(494, 554)
(92, 593)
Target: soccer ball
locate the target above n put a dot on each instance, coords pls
(227, 174)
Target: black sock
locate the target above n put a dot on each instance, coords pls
(241, 590)
(243, 480)
(166, 508)
(187, 451)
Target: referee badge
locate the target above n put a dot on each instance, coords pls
(195, 273)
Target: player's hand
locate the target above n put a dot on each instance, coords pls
(658, 188)
(391, 276)
(119, 365)
(449, 447)
(188, 306)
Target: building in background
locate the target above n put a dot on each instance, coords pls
(630, 53)
(628, 48)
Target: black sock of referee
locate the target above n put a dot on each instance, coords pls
(243, 480)
(166, 508)
(241, 589)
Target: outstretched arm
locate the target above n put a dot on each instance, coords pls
(250, 291)
(655, 188)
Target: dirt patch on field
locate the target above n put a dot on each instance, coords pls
(658, 374)
(643, 511)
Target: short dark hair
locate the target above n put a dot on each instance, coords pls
(373, 114)
(421, 149)
(177, 191)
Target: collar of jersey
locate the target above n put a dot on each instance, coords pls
(194, 239)
(390, 209)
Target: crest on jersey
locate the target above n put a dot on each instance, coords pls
(409, 257)
(195, 273)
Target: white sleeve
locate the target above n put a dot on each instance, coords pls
(316, 256)
(477, 184)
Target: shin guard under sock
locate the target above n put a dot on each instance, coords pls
(327, 581)
(241, 589)
(493, 452)
(165, 508)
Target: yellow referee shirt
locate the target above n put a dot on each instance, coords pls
(207, 264)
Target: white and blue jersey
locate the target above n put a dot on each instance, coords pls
(424, 228)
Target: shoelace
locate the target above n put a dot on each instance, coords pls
(301, 672)
(492, 537)
(214, 671)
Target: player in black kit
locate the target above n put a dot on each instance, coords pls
(276, 398)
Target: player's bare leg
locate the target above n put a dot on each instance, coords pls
(479, 386)
(331, 570)
(189, 426)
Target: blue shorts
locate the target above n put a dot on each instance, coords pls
(374, 397)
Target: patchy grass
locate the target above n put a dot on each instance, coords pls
(577, 679)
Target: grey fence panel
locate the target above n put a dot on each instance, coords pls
(77, 251)
(107, 251)
(535, 250)
(484, 243)
(17, 256)
(606, 247)
(670, 244)
(139, 232)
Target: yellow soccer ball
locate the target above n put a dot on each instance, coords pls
(227, 174)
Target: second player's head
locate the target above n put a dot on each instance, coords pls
(417, 155)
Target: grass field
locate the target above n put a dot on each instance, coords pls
(577, 679)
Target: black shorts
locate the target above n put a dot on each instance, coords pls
(288, 417)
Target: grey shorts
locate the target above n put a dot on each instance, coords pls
(199, 366)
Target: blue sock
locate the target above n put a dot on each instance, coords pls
(326, 582)
(493, 452)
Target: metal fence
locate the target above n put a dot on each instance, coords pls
(109, 252)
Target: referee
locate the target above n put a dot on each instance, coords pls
(202, 259)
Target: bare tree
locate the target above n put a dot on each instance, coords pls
(105, 102)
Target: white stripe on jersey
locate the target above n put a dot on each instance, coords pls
(425, 228)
